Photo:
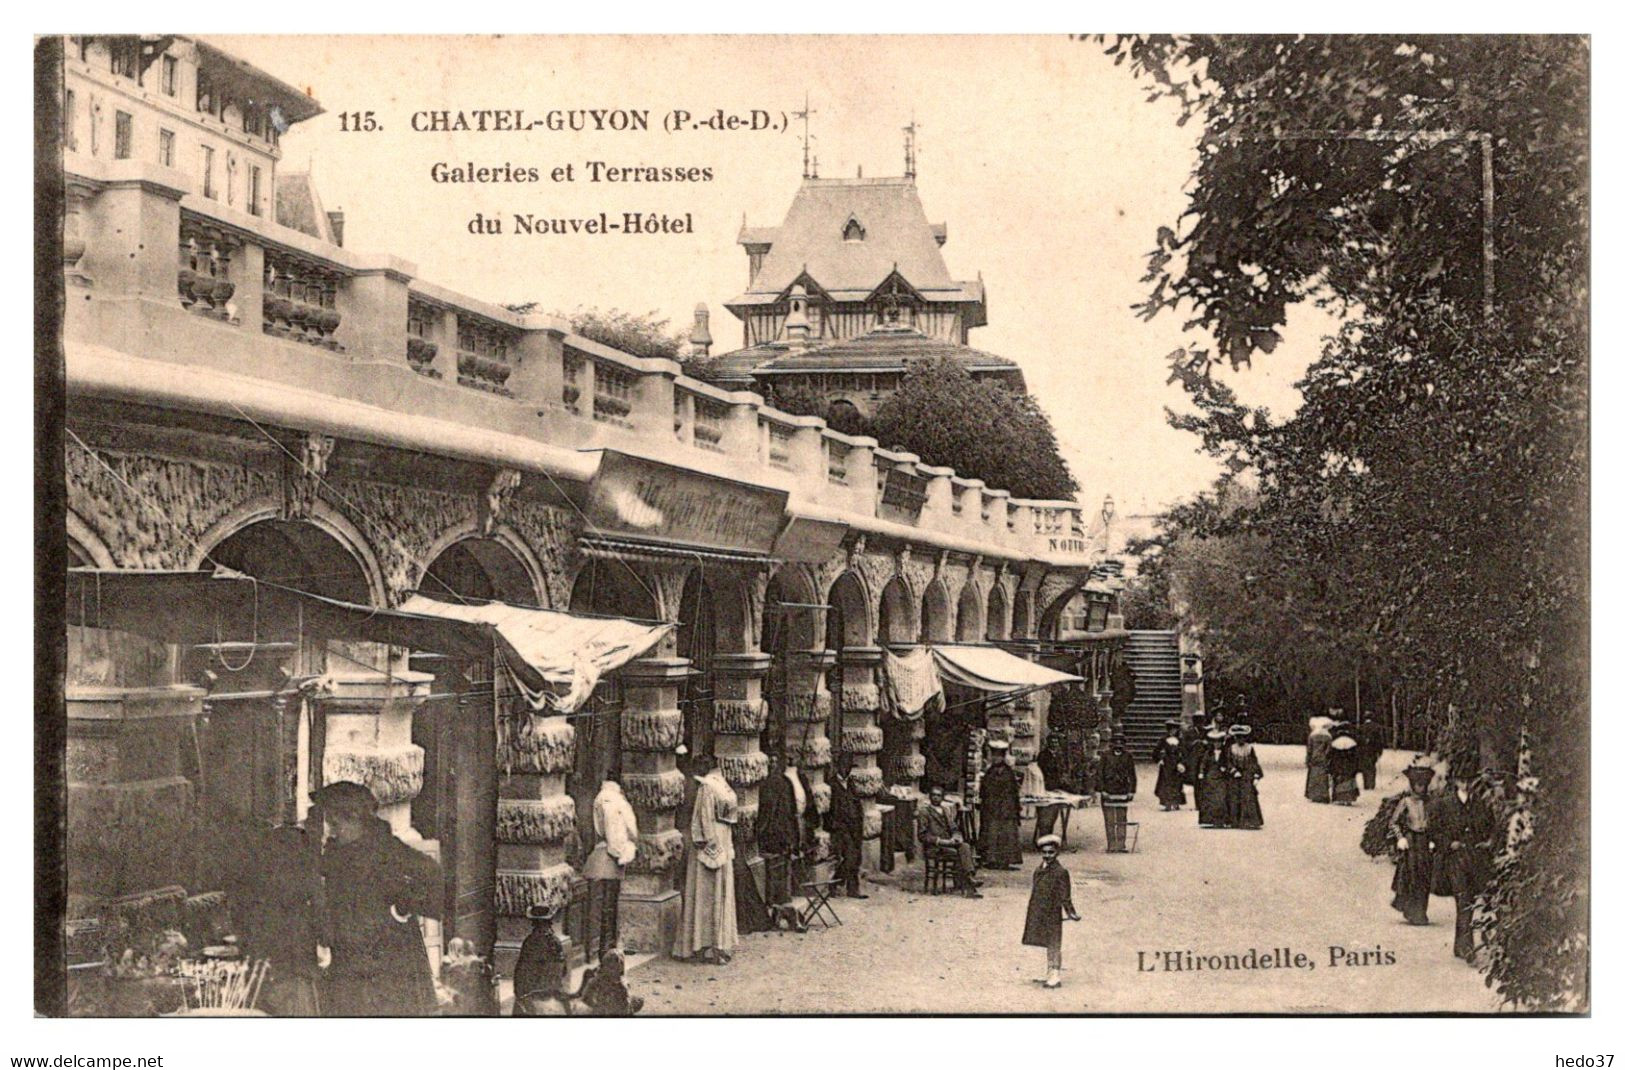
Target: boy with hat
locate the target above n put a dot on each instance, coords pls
(1049, 904)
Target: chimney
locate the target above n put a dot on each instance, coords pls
(700, 336)
(335, 223)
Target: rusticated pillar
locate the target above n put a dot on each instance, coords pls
(1023, 732)
(806, 716)
(535, 816)
(862, 739)
(651, 730)
(740, 714)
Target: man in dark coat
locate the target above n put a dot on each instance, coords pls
(1370, 736)
(940, 834)
(1118, 783)
(1001, 811)
(1050, 902)
(376, 889)
(1463, 832)
(846, 829)
(778, 830)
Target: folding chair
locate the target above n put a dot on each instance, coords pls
(818, 904)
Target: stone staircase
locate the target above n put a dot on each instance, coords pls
(1153, 657)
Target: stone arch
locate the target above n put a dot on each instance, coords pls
(936, 613)
(998, 613)
(323, 518)
(898, 614)
(612, 588)
(1021, 615)
(85, 547)
(791, 627)
(1050, 623)
(848, 621)
(969, 624)
(512, 572)
(315, 555)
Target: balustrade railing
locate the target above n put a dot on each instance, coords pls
(778, 446)
(205, 266)
(421, 320)
(612, 394)
(300, 300)
(483, 355)
(709, 419)
(837, 460)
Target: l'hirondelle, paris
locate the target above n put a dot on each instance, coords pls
(796, 612)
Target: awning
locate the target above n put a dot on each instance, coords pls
(564, 649)
(542, 649)
(987, 668)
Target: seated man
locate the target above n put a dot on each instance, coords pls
(940, 835)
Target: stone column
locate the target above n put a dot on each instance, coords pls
(1023, 730)
(862, 739)
(368, 739)
(806, 716)
(129, 803)
(651, 731)
(535, 816)
(740, 716)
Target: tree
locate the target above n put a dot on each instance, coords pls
(1437, 470)
(646, 335)
(979, 429)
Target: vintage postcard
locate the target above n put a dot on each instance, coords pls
(813, 525)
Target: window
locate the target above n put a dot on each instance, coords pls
(121, 135)
(166, 147)
(253, 191)
(69, 136)
(208, 172)
(168, 79)
(205, 92)
(253, 121)
(853, 231)
(124, 56)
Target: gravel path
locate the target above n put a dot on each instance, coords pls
(1301, 883)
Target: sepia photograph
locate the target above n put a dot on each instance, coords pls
(812, 525)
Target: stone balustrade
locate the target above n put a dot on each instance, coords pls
(259, 298)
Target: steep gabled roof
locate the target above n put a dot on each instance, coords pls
(897, 235)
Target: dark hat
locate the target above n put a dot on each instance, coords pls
(1420, 769)
(1172, 722)
(1215, 732)
(345, 797)
(541, 912)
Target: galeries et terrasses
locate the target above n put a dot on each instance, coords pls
(248, 395)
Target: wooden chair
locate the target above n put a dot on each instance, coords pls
(940, 866)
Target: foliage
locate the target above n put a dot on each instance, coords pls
(645, 335)
(1426, 507)
(979, 429)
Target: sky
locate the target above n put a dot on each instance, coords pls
(1045, 161)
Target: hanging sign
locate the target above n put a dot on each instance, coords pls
(645, 499)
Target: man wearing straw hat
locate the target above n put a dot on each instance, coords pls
(376, 889)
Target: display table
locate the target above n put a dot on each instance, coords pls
(1061, 803)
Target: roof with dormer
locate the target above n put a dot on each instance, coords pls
(896, 237)
(884, 349)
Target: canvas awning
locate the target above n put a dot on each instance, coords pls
(541, 649)
(564, 649)
(987, 668)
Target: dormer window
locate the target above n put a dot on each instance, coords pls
(853, 231)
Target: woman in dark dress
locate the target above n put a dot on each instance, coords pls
(1343, 764)
(1051, 901)
(1413, 864)
(1212, 781)
(1001, 811)
(1169, 754)
(1241, 797)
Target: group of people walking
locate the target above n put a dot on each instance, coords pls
(1220, 764)
(1443, 845)
(1339, 755)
